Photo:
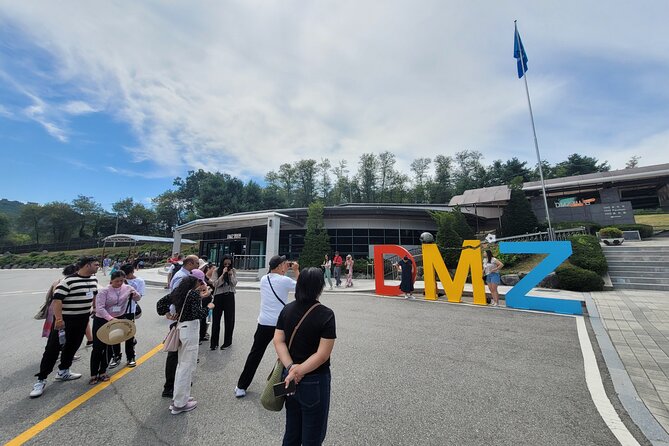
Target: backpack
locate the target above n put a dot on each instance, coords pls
(177, 267)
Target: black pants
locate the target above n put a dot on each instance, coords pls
(99, 353)
(203, 321)
(264, 335)
(170, 370)
(129, 344)
(224, 305)
(75, 329)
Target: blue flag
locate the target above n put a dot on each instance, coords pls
(519, 53)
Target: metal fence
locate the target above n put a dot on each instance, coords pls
(560, 234)
(64, 246)
(244, 262)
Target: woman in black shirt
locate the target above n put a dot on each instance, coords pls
(186, 300)
(308, 360)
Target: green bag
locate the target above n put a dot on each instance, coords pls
(267, 398)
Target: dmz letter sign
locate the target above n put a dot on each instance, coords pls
(471, 261)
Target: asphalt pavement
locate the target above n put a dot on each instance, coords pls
(404, 373)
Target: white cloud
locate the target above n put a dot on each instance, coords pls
(4, 112)
(245, 86)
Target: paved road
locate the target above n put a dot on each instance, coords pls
(403, 373)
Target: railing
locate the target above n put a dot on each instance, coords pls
(64, 246)
(248, 262)
(390, 263)
(560, 234)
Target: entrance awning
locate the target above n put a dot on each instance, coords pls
(131, 238)
(233, 221)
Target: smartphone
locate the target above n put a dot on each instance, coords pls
(281, 390)
(290, 265)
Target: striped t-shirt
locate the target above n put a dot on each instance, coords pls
(77, 294)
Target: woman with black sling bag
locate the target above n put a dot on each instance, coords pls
(307, 362)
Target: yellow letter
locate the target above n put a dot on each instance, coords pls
(470, 260)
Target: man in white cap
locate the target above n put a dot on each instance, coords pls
(274, 289)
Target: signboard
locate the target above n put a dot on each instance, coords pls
(614, 211)
(234, 236)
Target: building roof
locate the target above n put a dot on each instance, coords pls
(131, 238)
(488, 195)
(231, 221)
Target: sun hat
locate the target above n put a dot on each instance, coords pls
(116, 331)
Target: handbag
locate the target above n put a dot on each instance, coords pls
(44, 309)
(172, 340)
(267, 398)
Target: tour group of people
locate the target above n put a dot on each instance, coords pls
(199, 289)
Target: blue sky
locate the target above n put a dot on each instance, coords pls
(115, 100)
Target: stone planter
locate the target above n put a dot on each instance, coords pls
(613, 241)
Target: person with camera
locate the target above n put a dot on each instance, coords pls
(274, 289)
(224, 281)
(307, 362)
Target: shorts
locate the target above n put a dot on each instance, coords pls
(493, 278)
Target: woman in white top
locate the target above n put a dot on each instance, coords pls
(491, 267)
(327, 270)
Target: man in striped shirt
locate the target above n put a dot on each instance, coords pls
(72, 301)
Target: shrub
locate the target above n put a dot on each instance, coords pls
(573, 278)
(610, 232)
(508, 260)
(360, 265)
(590, 226)
(645, 231)
(587, 253)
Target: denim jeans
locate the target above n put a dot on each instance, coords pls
(307, 411)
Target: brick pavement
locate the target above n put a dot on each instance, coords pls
(638, 324)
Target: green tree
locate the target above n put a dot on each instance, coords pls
(252, 196)
(4, 226)
(518, 217)
(386, 173)
(58, 217)
(461, 226)
(419, 168)
(31, 219)
(580, 165)
(305, 181)
(316, 239)
(89, 214)
(633, 162)
(367, 177)
(325, 182)
(441, 189)
(469, 172)
(286, 176)
(170, 211)
(448, 240)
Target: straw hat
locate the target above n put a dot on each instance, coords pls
(117, 331)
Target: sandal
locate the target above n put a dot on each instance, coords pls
(94, 380)
(103, 378)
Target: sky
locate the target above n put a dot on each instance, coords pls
(116, 99)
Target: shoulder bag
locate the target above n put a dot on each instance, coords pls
(275, 295)
(267, 399)
(172, 341)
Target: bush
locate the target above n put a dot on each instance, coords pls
(646, 231)
(590, 226)
(587, 254)
(573, 278)
(610, 232)
(360, 265)
(508, 260)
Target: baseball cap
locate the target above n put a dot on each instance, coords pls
(276, 261)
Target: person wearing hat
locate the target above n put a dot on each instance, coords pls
(274, 289)
(111, 304)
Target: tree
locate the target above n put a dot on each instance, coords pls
(580, 165)
(89, 214)
(461, 226)
(518, 217)
(286, 178)
(219, 194)
(134, 218)
(469, 173)
(342, 186)
(502, 173)
(419, 167)
(170, 211)
(59, 217)
(367, 177)
(252, 196)
(32, 219)
(633, 162)
(448, 240)
(305, 181)
(316, 239)
(4, 226)
(324, 183)
(441, 189)
(386, 172)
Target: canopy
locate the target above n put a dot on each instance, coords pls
(131, 238)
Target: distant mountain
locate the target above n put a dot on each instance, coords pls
(10, 208)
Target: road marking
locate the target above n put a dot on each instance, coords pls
(4, 293)
(69, 407)
(594, 381)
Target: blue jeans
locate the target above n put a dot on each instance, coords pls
(307, 411)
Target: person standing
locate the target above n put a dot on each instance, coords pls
(176, 263)
(337, 261)
(224, 281)
(111, 303)
(138, 284)
(491, 267)
(406, 270)
(186, 298)
(327, 270)
(172, 360)
(274, 289)
(106, 262)
(307, 362)
(349, 271)
(71, 306)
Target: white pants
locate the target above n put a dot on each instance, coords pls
(189, 334)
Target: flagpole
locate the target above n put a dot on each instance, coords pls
(551, 235)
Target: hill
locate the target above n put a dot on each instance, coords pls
(11, 208)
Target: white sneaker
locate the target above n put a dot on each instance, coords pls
(190, 405)
(240, 393)
(38, 388)
(66, 375)
(411, 297)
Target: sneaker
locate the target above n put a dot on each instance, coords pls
(186, 408)
(66, 375)
(116, 360)
(168, 393)
(190, 398)
(213, 347)
(76, 358)
(38, 388)
(240, 393)
(225, 347)
(132, 362)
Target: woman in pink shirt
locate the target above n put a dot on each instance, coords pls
(110, 303)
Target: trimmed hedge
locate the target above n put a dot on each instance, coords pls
(587, 254)
(610, 232)
(646, 231)
(573, 278)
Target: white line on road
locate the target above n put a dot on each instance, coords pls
(3, 293)
(594, 381)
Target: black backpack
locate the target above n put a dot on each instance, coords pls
(177, 267)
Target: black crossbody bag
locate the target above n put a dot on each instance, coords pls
(275, 295)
